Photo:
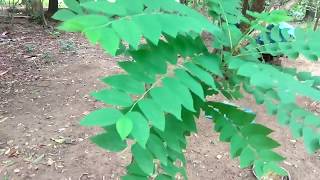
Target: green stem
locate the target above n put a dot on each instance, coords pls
(227, 22)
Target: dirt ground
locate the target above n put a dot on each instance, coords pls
(45, 79)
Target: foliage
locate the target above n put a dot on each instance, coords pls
(170, 73)
(298, 11)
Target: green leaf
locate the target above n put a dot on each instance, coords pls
(113, 96)
(238, 116)
(73, 5)
(255, 129)
(80, 23)
(63, 15)
(153, 112)
(271, 107)
(248, 69)
(164, 177)
(174, 155)
(168, 25)
(143, 158)
(311, 139)
(261, 142)
(180, 91)
(93, 35)
(125, 83)
(296, 129)
(201, 74)
(275, 34)
(109, 40)
(258, 168)
(190, 83)
(140, 131)
(105, 7)
(247, 157)
(268, 155)
(101, 117)
(134, 169)
(124, 126)
(263, 79)
(133, 7)
(227, 132)
(128, 31)
(236, 146)
(156, 146)
(189, 121)
(137, 71)
(110, 141)
(211, 63)
(173, 133)
(151, 62)
(166, 100)
(172, 170)
(149, 27)
(133, 177)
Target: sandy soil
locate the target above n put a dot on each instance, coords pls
(45, 79)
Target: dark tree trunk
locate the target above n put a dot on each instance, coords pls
(316, 23)
(53, 7)
(310, 14)
(245, 7)
(256, 6)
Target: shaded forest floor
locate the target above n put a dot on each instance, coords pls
(45, 79)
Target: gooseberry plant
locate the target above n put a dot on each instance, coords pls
(171, 72)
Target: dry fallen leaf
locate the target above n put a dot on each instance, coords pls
(3, 119)
(50, 161)
(36, 161)
(59, 140)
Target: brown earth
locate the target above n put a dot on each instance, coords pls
(45, 80)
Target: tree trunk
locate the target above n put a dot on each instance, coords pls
(310, 14)
(245, 7)
(36, 8)
(53, 7)
(290, 4)
(258, 5)
(316, 23)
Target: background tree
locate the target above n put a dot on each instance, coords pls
(310, 11)
(52, 8)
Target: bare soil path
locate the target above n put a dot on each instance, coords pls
(45, 79)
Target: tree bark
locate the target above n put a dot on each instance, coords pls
(36, 8)
(245, 7)
(53, 7)
(316, 23)
(310, 14)
(258, 5)
(290, 4)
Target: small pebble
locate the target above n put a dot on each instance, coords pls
(219, 156)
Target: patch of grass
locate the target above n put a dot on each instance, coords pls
(47, 57)
(29, 48)
(67, 45)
